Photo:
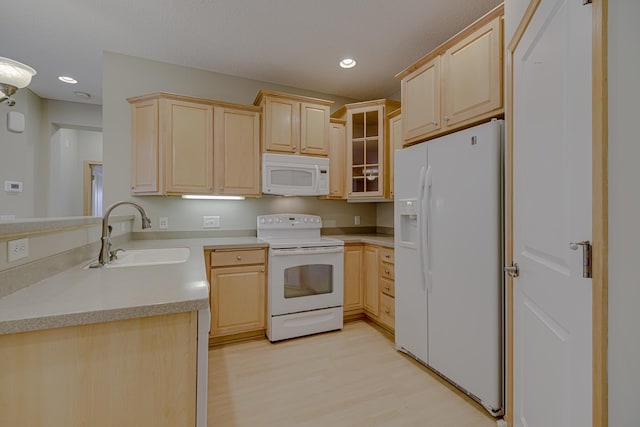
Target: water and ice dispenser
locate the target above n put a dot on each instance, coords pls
(408, 212)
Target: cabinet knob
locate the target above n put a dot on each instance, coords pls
(386, 272)
(262, 270)
(294, 147)
(304, 148)
(446, 118)
(387, 311)
(434, 123)
(239, 258)
(387, 256)
(387, 288)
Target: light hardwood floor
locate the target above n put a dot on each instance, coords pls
(353, 377)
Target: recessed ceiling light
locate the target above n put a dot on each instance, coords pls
(83, 95)
(348, 63)
(68, 79)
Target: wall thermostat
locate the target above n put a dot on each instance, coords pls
(15, 121)
(13, 186)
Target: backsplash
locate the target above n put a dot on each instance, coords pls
(54, 245)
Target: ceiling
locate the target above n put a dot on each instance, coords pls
(296, 43)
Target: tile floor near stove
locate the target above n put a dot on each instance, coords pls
(353, 377)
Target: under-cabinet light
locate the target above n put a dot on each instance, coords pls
(204, 197)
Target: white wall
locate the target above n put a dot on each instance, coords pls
(68, 150)
(56, 115)
(125, 77)
(18, 156)
(624, 214)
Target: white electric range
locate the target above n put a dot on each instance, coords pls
(305, 285)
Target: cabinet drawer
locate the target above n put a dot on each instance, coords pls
(387, 311)
(386, 255)
(387, 270)
(387, 287)
(237, 257)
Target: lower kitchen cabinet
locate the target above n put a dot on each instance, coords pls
(369, 286)
(371, 280)
(133, 372)
(386, 283)
(353, 292)
(238, 291)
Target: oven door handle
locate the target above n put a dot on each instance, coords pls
(306, 251)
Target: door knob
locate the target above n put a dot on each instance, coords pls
(513, 270)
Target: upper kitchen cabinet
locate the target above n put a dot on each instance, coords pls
(457, 85)
(337, 159)
(187, 134)
(367, 147)
(394, 130)
(185, 145)
(421, 100)
(236, 150)
(294, 124)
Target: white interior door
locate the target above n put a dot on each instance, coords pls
(552, 323)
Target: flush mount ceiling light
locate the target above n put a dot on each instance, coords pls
(348, 63)
(67, 79)
(13, 76)
(203, 197)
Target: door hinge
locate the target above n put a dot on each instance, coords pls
(585, 2)
(513, 270)
(586, 257)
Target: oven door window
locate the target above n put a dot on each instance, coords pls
(306, 280)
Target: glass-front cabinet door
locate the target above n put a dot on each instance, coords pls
(365, 131)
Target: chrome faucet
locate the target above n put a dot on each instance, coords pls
(105, 251)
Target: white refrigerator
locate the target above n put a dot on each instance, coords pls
(448, 250)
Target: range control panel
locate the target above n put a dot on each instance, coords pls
(289, 221)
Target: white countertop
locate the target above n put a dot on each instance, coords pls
(80, 296)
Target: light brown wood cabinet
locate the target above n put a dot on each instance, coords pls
(421, 99)
(394, 129)
(175, 140)
(294, 124)
(457, 85)
(387, 288)
(238, 291)
(371, 288)
(187, 134)
(139, 372)
(236, 144)
(369, 283)
(353, 290)
(367, 147)
(337, 160)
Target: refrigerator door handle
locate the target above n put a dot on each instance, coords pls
(421, 212)
(426, 236)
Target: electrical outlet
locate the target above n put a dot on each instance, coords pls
(163, 222)
(356, 220)
(18, 249)
(211, 221)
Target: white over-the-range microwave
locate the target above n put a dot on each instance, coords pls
(291, 175)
